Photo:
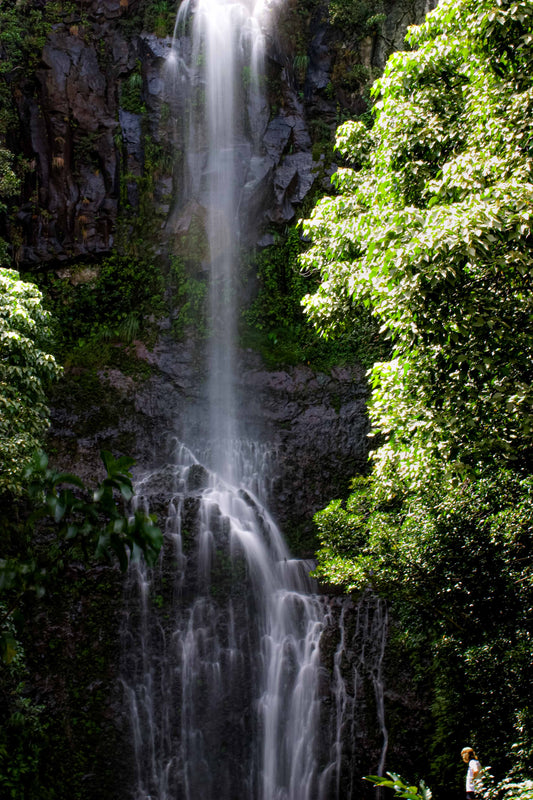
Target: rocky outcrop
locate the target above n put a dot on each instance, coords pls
(101, 100)
(312, 426)
(318, 429)
(72, 122)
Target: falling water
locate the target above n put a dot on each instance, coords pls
(222, 68)
(222, 645)
(224, 691)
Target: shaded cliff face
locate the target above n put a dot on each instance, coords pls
(71, 122)
(101, 117)
(314, 423)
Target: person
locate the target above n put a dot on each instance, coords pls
(474, 769)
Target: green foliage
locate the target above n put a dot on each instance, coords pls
(62, 525)
(300, 65)
(131, 92)
(22, 731)
(158, 158)
(352, 13)
(85, 524)
(281, 284)
(401, 789)
(509, 789)
(431, 231)
(455, 564)
(189, 295)
(57, 11)
(360, 15)
(95, 521)
(26, 368)
(85, 148)
(276, 325)
(154, 16)
(517, 784)
(160, 17)
(476, 533)
(101, 306)
(9, 182)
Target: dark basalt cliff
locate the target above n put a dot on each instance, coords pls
(88, 141)
(315, 424)
(101, 130)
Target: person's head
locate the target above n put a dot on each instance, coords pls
(467, 754)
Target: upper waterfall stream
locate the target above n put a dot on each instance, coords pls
(222, 645)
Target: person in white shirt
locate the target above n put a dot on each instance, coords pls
(474, 769)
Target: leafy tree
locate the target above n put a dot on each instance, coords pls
(431, 230)
(455, 564)
(74, 524)
(9, 184)
(26, 367)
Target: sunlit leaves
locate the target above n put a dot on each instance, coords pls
(401, 789)
(97, 521)
(432, 229)
(9, 182)
(25, 371)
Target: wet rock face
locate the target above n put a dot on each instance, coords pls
(312, 426)
(86, 141)
(72, 124)
(318, 427)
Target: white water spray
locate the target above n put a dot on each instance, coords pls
(223, 693)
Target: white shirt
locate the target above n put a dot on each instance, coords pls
(473, 766)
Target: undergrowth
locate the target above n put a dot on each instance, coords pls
(275, 323)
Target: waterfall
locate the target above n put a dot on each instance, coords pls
(222, 667)
(222, 67)
(224, 690)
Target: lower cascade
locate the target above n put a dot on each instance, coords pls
(227, 693)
